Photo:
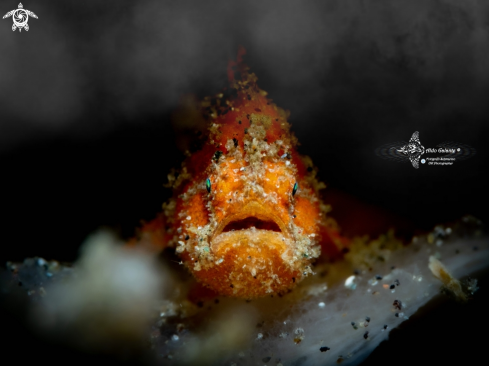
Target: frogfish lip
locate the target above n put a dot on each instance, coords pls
(253, 251)
(256, 215)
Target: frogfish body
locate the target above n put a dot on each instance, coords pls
(246, 217)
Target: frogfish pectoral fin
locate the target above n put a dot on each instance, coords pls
(152, 236)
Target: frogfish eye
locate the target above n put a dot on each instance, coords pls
(208, 185)
(296, 187)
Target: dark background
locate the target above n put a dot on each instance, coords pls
(86, 97)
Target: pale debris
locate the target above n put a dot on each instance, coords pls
(442, 273)
(110, 298)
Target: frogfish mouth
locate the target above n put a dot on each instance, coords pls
(245, 217)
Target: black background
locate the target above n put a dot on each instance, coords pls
(86, 97)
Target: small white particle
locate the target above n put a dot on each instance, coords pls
(350, 284)
(287, 163)
(259, 336)
(189, 218)
(174, 338)
(321, 304)
(373, 282)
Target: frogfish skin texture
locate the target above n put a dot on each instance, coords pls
(246, 217)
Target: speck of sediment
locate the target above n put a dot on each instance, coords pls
(397, 304)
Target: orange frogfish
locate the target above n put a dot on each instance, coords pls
(246, 217)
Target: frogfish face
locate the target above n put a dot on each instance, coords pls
(245, 216)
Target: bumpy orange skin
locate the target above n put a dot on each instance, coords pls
(251, 161)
